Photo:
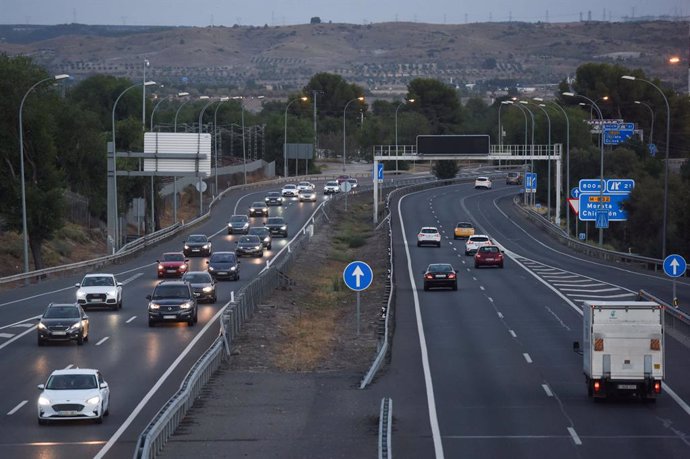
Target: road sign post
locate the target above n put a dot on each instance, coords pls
(358, 276)
(675, 266)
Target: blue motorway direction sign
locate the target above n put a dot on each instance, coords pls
(617, 133)
(379, 171)
(612, 203)
(675, 265)
(531, 182)
(358, 276)
(602, 218)
(575, 193)
(652, 149)
(620, 185)
(590, 185)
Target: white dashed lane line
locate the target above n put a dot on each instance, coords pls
(512, 333)
(17, 408)
(102, 341)
(130, 319)
(547, 389)
(574, 436)
(6, 335)
(527, 357)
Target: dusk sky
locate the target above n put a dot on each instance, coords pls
(289, 12)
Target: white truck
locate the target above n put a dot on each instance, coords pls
(623, 348)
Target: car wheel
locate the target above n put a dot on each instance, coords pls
(42, 422)
(190, 322)
(438, 245)
(501, 266)
(99, 419)
(196, 318)
(455, 237)
(419, 244)
(476, 266)
(261, 255)
(80, 339)
(107, 410)
(466, 253)
(286, 234)
(214, 299)
(455, 287)
(119, 306)
(237, 277)
(269, 246)
(86, 338)
(151, 323)
(426, 287)
(40, 341)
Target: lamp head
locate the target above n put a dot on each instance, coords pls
(61, 76)
(304, 98)
(360, 98)
(628, 77)
(410, 101)
(538, 99)
(203, 97)
(674, 60)
(149, 83)
(507, 102)
(568, 94)
(524, 102)
(637, 102)
(182, 94)
(224, 98)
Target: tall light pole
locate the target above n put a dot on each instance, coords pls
(153, 192)
(285, 160)
(361, 99)
(548, 161)
(198, 152)
(314, 93)
(524, 114)
(21, 166)
(215, 137)
(143, 97)
(396, 130)
(116, 243)
(651, 112)
(177, 112)
(601, 154)
(524, 105)
(668, 139)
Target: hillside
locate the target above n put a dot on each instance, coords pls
(385, 55)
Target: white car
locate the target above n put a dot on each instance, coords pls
(289, 190)
(74, 394)
(483, 182)
(475, 241)
(306, 186)
(99, 289)
(331, 187)
(429, 235)
(307, 195)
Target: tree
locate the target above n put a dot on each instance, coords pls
(446, 169)
(438, 103)
(315, 20)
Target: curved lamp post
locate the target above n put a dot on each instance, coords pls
(116, 243)
(396, 129)
(198, 152)
(361, 99)
(524, 105)
(177, 112)
(651, 112)
(601, 154)
(668, 138)
(548, 161)
(21, 165)
(215, 137)
(285, 161)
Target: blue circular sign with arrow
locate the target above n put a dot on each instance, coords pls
(358, 276)
(674, 265)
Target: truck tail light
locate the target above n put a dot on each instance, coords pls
(599, 344)
(597, 386)
(655, 345)
(657, 387)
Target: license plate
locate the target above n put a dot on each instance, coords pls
(69, 413)
(195, 250)
(440, 276)
(172, 270)
(59, 333)
(489, 259)
(627, 386)
(222, 273)
(170, 317)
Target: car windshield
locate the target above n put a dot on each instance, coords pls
(249, 240)
(464, 225)
(72, 382)
(97, 281)
(258, 204)
(332, 183)
(222, 258)
(273, 194)
(483, 179)
(238, 218)
(429, 230)
(173, 257)
(479, 239)
(440, 268)
(62, 312)
(275, 221)
(290, 186)
(261, 232)
(197, 278)
(170, 291)
(197, 238)
(489, 249)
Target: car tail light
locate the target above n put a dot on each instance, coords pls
(657, 387)
(451, 276)
(597, 386)
(599, 344)
(429, 276)
(655, 344)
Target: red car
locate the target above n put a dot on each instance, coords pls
(172, 264)
(488, 255)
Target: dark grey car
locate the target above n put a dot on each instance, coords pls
(63, 322)
(249, 245)
(172, 301)
(203, 285)
(224, 265)
(264, 234)
(238, 224)
(273, 198)
(277, 225)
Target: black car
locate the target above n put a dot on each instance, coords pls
(203, 285)
(273, 198)
(172, 301)
(277, 225)
(63, 322)
(440, 275)
(197, 244)
(249, 245)
(264, 234)
(238, 224)
(258, 209)
(224, 265)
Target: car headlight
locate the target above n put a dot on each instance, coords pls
(284, 227)
(154, 306)
(40, 326)
(251, 209)
(208, 289)
(183, 267)
(257, 247)
(207, 246)
(267, 238)
(76, 326)
(81, 294)
(93, 400)
(43, 401)
(211, 268)
(233, 268)
(246, 225)
(186, 305)
(186, 247)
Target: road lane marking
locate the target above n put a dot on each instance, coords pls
(102, 341)
(68, 366)
(17, 408)
(130, 279)
(6, 335)
(574, 436)
(547, 389)
(490, 299)
(12, 340)
(130, 319)
(481, 287)
(512, 333)
(527, 357)
(500, 314)
(23, 325)
(473, 278)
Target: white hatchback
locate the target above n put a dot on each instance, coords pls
(474, 242)
(99, 289)
(289, 190)
(74, 394)
(429, 235)
(483, 182)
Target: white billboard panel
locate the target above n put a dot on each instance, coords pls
(183, 143)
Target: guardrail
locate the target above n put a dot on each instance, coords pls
(677, 323)
(385, 428)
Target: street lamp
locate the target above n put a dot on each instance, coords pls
(285, 163)
(524, 105)
(181, 94)
(215, 137)
(396, 130)
(524, 148)
(198, 152)
(601, 154)
(244, 150)
(116, 243)
(548, 161)
(21, 165)
(143, 97)
(361, 99)
(651, 128)
(668, 137)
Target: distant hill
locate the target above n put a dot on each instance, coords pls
(379, 56)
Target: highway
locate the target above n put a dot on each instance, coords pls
(143, 366)
(489, 370)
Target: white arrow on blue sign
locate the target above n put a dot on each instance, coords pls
(675, 265)
(379, 172)
(358, 276)
(620, 185)
(575, 193)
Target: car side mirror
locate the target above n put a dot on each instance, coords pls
(41, 386)
(265, 222)
(85, 317)
(77, 285)
(103, 385)
(158, 261)
(148, 297)
(186, 261)
(237, 242)
(119, 284)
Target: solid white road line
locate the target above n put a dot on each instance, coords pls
(500, 314)
(527, 357)
(24, 325)
(481, 287)
(6, 335)
(102, 341)
(17, 408)
(547, 389)
(130, 279)
(12, 340)
(130, 319)
(512, 333)
(574, 436)
(602, 297)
